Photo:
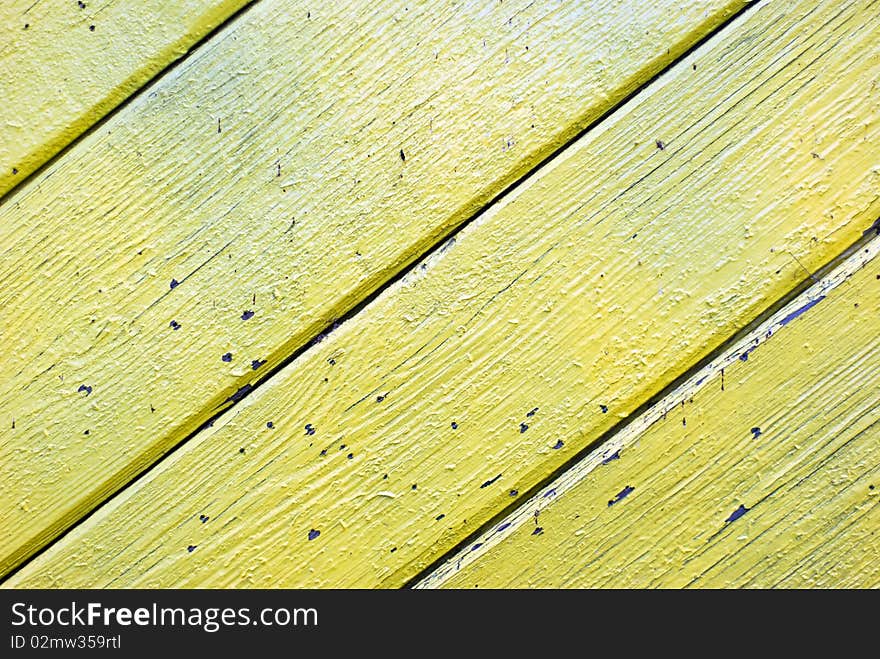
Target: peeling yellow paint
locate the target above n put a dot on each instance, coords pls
(64, 65)
(648, 258)
(258, 191)
(772, 482)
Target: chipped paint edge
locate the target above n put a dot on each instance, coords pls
(629, 435)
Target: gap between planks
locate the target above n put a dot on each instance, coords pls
(627, 433)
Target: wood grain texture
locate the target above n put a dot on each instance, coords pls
(266, 185)
(676, 404)
(65, 64)
(772, 481)
(551, 317)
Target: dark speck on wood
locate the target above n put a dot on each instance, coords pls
(620, 496)
(174, 283)
(86, 388)
(756, 432)
(247, 315)
(310, 430)
(454, 425)
(174, 325)
(736, 514)
(270, 425)
(523, 427)
(191, 548)
(559, 444)
(314, 533)
(532, 412)
(256, 363)
(227, 357)
(613, 456)
(538, 530)
(604, 409)
(402, 155)
(660, 145)
(241, 393)
(490, 481)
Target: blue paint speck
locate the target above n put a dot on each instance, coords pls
(625, 492)
(797, 312)
(550, 493)
(476, 546)
(86, 388)
(559, 444)
(314, 533)
(538, 530)
(174, 283)
(736, 514)
(247, 315)
(523, 427)
(227, 357)
(756, 432)
(502, 527)
(613, 456)
(604, 409)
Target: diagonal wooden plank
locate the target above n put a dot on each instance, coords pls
(64, 65)
(554, 315)
(259, 191)
(773, 480)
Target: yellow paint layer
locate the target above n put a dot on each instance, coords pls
(64, 65)
(772, 481)
(258, 191)
(556, 313)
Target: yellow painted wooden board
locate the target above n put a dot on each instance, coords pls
(553, 316)
(65, 64)
(258, 191)
(772, 481)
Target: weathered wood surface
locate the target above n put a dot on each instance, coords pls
(262, 188)
(65, 64)
(771, 481)
(560, 311)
